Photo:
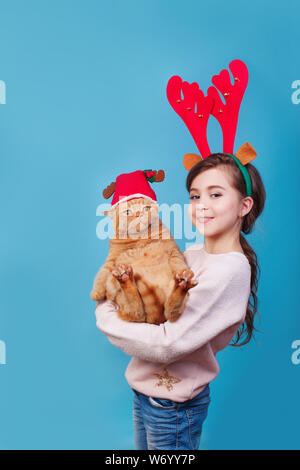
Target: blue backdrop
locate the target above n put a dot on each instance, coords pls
(85, 88)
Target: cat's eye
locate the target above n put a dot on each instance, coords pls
(128, 212)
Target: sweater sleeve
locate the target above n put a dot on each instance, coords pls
(218, 302)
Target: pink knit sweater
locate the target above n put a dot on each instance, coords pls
(176, 360)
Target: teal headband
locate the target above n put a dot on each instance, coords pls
(245, 174)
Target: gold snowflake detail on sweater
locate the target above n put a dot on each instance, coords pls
(167, 380)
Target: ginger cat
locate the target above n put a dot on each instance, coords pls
(145, 272)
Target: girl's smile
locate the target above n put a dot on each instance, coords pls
(205, 220)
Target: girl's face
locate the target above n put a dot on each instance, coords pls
(216, 208)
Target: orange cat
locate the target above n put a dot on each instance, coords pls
(145, 272)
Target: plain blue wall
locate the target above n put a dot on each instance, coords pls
(86, 100)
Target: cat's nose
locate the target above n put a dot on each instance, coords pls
(137, 214)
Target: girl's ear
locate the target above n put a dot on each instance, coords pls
(247, 205)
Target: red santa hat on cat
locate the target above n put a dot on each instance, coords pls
(133, 185)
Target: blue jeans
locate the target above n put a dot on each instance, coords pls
(159, 423)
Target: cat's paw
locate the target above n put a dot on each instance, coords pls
(184, 279)
(98, 294)
(123, 273)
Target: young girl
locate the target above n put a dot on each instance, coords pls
(174, 363)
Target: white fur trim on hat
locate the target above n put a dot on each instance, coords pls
(133, 196)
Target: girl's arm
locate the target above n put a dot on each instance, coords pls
(218, 302)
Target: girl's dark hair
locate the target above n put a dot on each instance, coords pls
(259, 196)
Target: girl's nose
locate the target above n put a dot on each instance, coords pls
(201, 207)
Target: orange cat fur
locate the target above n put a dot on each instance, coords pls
(145, 272)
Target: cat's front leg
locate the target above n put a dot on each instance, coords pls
(131, 308)
(175, 303)
(184, 279)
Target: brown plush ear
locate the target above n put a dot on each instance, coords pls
(246, 153)
(190, 159)
(159, 175)
(107, 192)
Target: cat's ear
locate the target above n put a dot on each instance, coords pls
(154, 207)
(109, 213)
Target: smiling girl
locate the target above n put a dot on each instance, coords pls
(173, 363)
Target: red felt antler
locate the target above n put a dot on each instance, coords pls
(194, 109)
(227, 114)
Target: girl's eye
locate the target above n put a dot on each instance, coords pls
(197, 196)
(146, 208)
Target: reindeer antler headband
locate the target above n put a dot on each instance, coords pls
(195, 108)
